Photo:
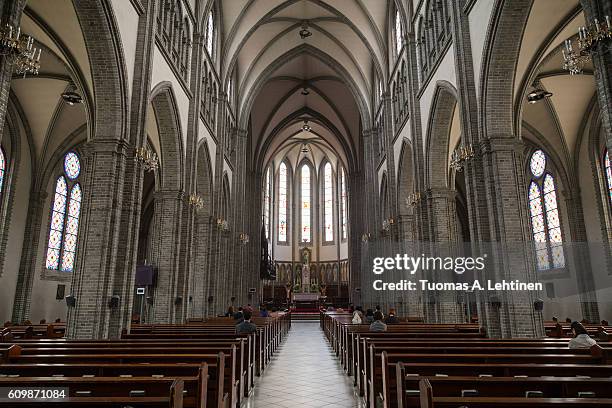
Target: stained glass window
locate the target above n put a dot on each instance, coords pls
(72, 165)
(343, 203)
(543, 208)
(608, 174)
(398, 32)
(64, 227)
(210, 33)
(266, 203)
(328, 207)
(537, 163)
(2, 169)
(58, 215)
(283, 181)
(306, 203)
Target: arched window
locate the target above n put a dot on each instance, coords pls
(606, 165)
(210, 33)
(398, 33)
(266, 202)
(2, 169)
(283, 182)
(343, 203)
(306, 203)
(64, 228)
(544, 211)
(328, 205)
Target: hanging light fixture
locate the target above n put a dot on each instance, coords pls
(537, 95)
(19, 50)
(71, 97)
(305, 32)
(147, 158)
(591, 39)
(306, 127)
(305, 91)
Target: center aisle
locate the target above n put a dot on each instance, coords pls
(304, 373)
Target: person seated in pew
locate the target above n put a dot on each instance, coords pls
(555, 319)
(246, 326)
(239, 315)
(605, 323)
(358, 315)
(391, 319)
(230, 312)
(369, 316)
(263, 311)
(581, 339)
(378, 325)
(58, 320)
(568, 320)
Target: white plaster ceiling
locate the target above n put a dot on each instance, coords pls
(556, 122)
(336, 64)
(55, 28)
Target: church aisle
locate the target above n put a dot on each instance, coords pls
(304, 373)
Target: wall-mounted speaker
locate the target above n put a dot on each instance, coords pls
(178, 300)
(210, 299)
(113, 302)
(538, 305)
(71, 301)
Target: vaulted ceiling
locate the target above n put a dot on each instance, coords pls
(283, 79)
(556, 122)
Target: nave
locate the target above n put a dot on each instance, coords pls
(304, 373)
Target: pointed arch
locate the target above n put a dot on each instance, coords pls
(437, 142)
(169, 127)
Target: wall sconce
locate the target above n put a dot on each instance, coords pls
(365, 237)
(387, 224)
(222, 225)
(460, 156)
(244, 238)
(413, 199)
(195, 201)
(147, 158)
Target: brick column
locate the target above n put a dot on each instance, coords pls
(11, 13)
(167, 234)
(97, 277)
(29, 267)
(602, 64)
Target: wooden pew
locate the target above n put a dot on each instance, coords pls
(9, 351)
(107, 392)
(429, 399)
(219, 367)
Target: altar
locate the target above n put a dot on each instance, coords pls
(305, 297)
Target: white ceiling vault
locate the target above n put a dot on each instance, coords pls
(555, 123)
(271, 66)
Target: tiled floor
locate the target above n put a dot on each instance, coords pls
(304, 373)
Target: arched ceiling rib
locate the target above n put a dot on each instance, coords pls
(272, 65)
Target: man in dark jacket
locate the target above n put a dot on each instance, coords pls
(391, 319)
(246, 326)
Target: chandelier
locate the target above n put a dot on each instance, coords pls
(589, 39)
(244, 238)
(387, 224)
(147, 158)
(413, 199)
(196, 201)
(306, 127)
(222, 224)
(19, 50)
(461, 155)
(305, 32)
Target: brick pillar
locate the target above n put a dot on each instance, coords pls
(167, 234)
(97, 277)
(443, 306)
(602, 64)
(28, 267)
(11, 13)
(244, 279)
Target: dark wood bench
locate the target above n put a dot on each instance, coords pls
(107, 392)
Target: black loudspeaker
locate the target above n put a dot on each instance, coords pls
(190, 298)
(210, 299)
(145, 275)
(178, 300)
(150, 300)
(538, 305)
(71, 301)
(232, 299)
(495, 302)
(113, 303)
